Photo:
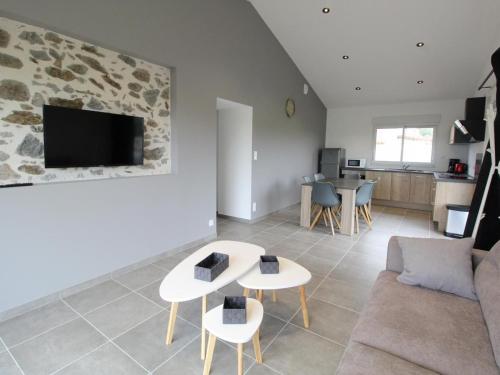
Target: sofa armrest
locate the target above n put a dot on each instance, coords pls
(394, 261)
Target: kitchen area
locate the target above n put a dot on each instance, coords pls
(406, 174)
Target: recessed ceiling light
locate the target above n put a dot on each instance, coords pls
(345, 57)
(358, 88)
(325, 10)
(420, 82)
(420, 44)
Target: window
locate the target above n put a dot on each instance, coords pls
(404, 144)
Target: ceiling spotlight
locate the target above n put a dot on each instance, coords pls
(358, 88)
(325, 10)
(420, 44)
(345, 57)
(420, 82)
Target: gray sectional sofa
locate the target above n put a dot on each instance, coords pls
(412, 330)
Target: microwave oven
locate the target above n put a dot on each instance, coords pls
(356, 163)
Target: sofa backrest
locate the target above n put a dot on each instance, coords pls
(394, 260)
(487, 285)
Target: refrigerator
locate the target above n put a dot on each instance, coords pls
(331, 160)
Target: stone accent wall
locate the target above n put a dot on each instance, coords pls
(38, 67)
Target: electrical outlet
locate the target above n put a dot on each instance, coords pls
(254, 206)
(306, 88)
(255, 155)
(211, 222)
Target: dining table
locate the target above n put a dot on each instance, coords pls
(347, 188)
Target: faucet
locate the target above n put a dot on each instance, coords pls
(406, 166)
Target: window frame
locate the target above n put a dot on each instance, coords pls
(400, 163)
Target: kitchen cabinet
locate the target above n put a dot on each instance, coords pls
(421, 188)
(450, 193)
(383, 187)
(400, 187)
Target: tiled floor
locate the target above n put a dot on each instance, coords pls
(118, 327)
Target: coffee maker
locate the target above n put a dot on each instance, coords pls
(451, 165)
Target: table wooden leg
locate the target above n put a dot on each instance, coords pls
(210, 354)
(246, 292)
(303, 304)
(240, 359)
(256, 347)
(305, 206)
(274, 296)
(347, 220)
(171, 322)
(203, 335)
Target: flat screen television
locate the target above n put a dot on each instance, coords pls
(81, 138)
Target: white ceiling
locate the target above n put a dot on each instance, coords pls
(380, 37)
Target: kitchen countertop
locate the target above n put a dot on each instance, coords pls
(397, 170)
(438, 176)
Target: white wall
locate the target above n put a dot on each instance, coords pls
(352, 128)
(234, 160)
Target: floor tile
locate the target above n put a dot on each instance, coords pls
(191, 310)
(268, 330)
(96, 296)
(285, 252)
(146, 342)
(329, 321)
(266, 240)
(152, 293)
(342, 293)
(262, 369)
(121, 315)
(57, 348)
(233, 289)
(329, 253)
(288, 302)
(305, 235)
(359, 268)
(141, 277)
(169, 262)
(188, 362)
(18, 329)
(7, 365)
(316, 265)
(106, 360)
(337, 242)
(298, 352)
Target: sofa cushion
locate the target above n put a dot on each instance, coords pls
(361, 359)
(439, 264)
(487, 282)
(435, 330)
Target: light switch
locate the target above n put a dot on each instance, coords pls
(254, 206)
(255, 155)
(211, 223)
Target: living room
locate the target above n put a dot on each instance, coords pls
(98, 251)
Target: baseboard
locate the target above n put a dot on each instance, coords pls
(33, 305)
(257, 219)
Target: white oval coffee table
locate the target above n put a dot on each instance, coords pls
(291, 275)
(234, 333)
(181, 286)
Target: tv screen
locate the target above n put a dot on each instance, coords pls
(80, 138)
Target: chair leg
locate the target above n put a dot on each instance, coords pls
(336, 218)
(315, 221)
(329, 210)
(325, 219)
(365, 216)
(356, 211)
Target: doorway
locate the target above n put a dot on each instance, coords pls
(234, 159)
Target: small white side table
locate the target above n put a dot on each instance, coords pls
(234, 333)
(290, 275)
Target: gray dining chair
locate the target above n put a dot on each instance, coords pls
(307, 179)
(327, 202)
(319, 177)
(363, 198)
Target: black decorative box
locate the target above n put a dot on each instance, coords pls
(234, 310)
(269, 264)
(211, 267)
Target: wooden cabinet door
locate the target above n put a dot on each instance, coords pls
(400, 187)
(383, 185)
(421, 185)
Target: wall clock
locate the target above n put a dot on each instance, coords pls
(290, 107)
